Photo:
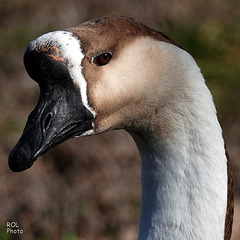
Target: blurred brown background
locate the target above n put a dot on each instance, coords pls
(89, 188)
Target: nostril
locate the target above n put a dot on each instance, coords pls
(47, 121)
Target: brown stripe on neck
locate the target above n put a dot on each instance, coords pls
(113, 31)
(129, 25)
(230, 201)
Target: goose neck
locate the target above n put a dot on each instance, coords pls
(184, 182)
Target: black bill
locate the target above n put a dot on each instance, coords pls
(59, 113)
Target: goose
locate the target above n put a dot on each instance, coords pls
(115, 73)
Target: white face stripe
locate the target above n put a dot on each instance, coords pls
(70, 47)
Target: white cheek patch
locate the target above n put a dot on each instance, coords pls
(70, 47)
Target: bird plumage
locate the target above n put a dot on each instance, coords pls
(146, 84)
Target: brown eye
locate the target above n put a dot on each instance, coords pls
(102, 59)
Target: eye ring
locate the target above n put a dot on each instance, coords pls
(102, 58)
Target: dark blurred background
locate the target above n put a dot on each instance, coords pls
(89, 188)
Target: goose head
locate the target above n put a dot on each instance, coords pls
(91, 79)
(115, 73)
